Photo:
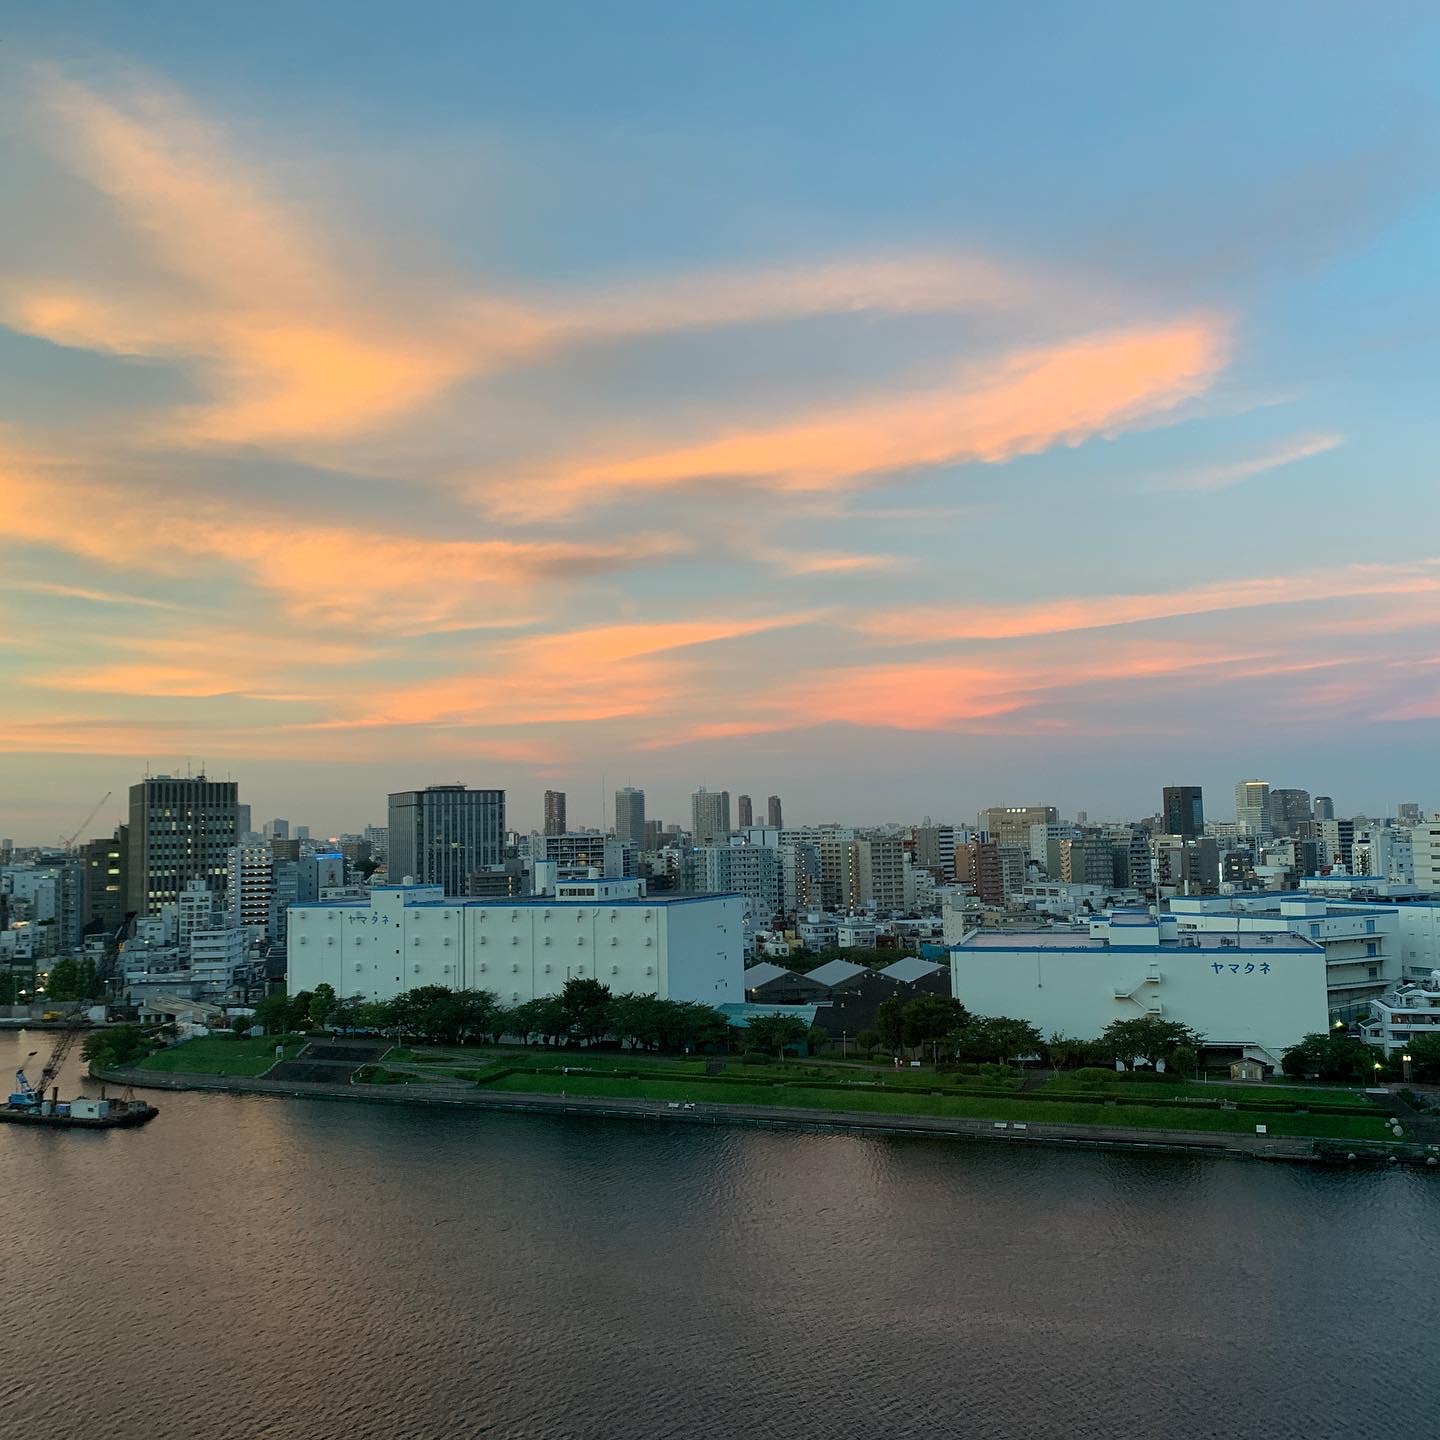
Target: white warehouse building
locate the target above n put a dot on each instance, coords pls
(1255, 994)
(683, 947)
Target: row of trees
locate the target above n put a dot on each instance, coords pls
(584, 1013)
(1338, 1056)
(949, 1029)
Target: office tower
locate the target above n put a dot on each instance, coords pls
(554, 813)
(935, 851)
(1010, 824)
(106, 892)
(630, 816)
(744, 812)
(444, 833)
(1183, 811)
(773, 816)
(709, 815)
(1252, 806)
(276, 829)
(1288, 810)
(182, 828)
(1408, 811)
(654, 834)
(242, 819)
(302, 832)
(1324, 808)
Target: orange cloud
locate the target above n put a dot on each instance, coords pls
(1061, 394)
(325, 574)
(1052, 617)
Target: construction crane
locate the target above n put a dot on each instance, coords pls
(64, 1043)
(80, 828)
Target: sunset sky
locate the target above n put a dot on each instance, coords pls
(905, 408)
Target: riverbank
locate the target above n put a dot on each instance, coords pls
(1112, 1137)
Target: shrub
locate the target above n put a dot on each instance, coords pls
(755, 1057)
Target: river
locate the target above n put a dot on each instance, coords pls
(248, 1267)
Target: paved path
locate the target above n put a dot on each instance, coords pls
(789, 1117)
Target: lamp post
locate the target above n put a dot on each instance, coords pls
(1405, 1063)
(1378, 1067)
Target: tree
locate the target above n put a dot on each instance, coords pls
(775, 1032)
(297, 1010)
(116, 1047)
(1424, 1056)
(1331, 1055)
(1183, 1059)
(1148, 1037)
(868, 1041)
(890, 1022)
(64, 981)
(931, 1018)
(995, 1037)
(322, 1004)
(242, 1024)
(272, 1013)
(1065, 1051)
(586, 1004)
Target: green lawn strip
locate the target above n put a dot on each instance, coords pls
(1199, 1090)
(222, 1055)
(980, 1108)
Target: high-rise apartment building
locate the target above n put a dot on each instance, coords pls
(744, 812)
(839, 870)
(630, 816)
(182, 828)
(378, 838)
(935, 851)
(709, 815)
(1087, 860)
(1183, 811)
(554, 813)
(654, 834)
(773, 816)
(442, 834)
(884, 878)
(250, 887)
(1010, 824)
(589, 850)
(1252, 806)
(750, 870)
(978, 866)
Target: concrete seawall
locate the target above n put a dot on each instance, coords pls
(1116, 1137)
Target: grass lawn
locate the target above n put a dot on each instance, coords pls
(222, 1055)
(894, 1102)
(1215, 1090)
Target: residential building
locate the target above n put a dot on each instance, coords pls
(1087, 860)
(608, 855)
(1425, 855)
(1408, 813)
(195, 910)
(250, 887)
(1182, 811)
(403, 936)
(883, 880)
(709, 815)
(1250, 996)
(441, 835)
(1404, 1014)
(773, 813)
(753, 871)
(318, 872)
(182, 829)
(378, 838)
(218, 957)
(977, 866)
(839, 869)
(1338, 838)
(1043, 846)
(744, 812)
(630, 816)
(554, 820)
(654, 834)
(1186, 867)
(935, 851)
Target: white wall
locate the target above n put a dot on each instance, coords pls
(1073, 991)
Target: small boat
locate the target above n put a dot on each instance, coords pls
(27, 1106)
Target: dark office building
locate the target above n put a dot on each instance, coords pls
(1183, 811)
(445, 833)
(182, 828)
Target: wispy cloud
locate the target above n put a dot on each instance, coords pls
(1236, 472)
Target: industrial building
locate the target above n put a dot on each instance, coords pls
(1251, 996)
(404, 936)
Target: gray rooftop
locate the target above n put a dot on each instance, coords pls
(762, 973)
(910, 969)
(834, 972)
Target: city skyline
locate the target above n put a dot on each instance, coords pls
(729, 400)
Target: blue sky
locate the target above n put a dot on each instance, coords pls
(906, 409)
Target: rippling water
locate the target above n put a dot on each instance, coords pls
(262, 1268)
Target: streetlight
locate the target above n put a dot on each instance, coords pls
(1378, 1067)
(1405, 1061)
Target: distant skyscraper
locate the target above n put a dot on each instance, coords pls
(1408, 813)
(554, 812)
(654, 834)
(744, 812)
(1252, 806)
(106, 893)
(709, 815)
(1325, 808)
(182, 829)
(242, 818)
(1288, 810)
(1183, 811)
(276, 829)
(630, 816)
(442, 834)
(1010, 824)
(773, 816)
